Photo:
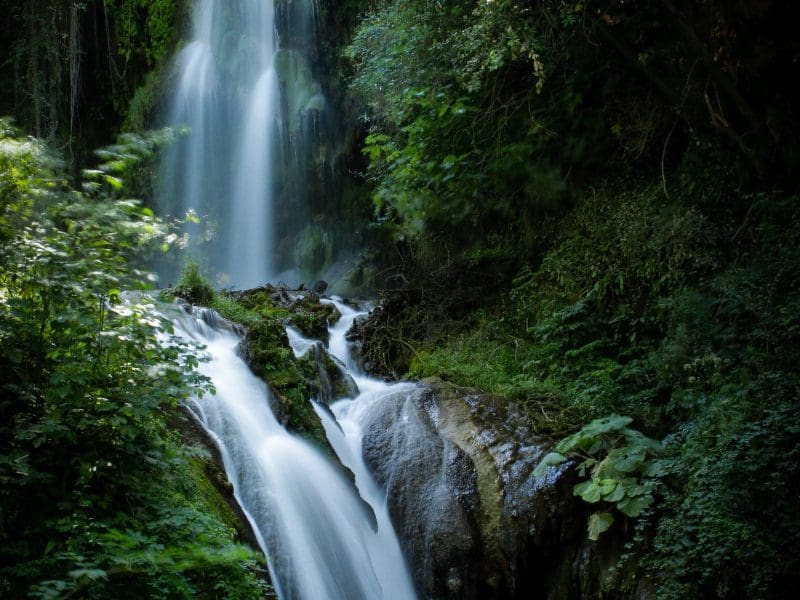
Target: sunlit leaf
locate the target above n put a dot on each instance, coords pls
(598, 523)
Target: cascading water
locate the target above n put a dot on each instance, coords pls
(343, 424)
(251, 108)
(320, 539)
(244, 166)
(226, 93)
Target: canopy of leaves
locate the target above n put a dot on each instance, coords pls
(484, 116)
(74, 69)
(457, 140)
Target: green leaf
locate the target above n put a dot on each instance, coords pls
(92, 574)
(114, 182)
(589, 491)
(598, 523)
(607, 486)
(633, 507)
(608, 424)
(616, 495)
(627, 460)
(551, 459)
(653, 468)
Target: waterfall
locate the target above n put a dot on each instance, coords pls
(321, 540)
(248, 106)
(226, 94)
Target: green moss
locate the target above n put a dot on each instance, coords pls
(341, 389)
(233, 310)
(145, 100)
(208, 497)
(259, 300)
(312, 318)
(293, 380)
(314, 251)
(268, 352)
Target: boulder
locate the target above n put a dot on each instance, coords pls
(472, 519)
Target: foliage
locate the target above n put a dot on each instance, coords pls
(193, 287)
(729, 526)
(74, 67)
(143, 34)
(491, 118)
(96, 493)
(452, 146)
(622, 467)
(627, 162)
(687, 323)
(153, 22)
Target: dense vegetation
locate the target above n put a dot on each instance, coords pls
(590, 208)
(597, 213)
(74, 70)
(99, 496)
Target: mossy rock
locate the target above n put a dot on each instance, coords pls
(269, 355)
(342, 384)
(314, 249)
(264, 312)
(312, 317)
(267, 301)
(302, 308)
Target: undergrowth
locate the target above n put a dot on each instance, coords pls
(644, 307)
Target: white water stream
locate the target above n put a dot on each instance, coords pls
(254, 143)
(226, 93)
(321, 541)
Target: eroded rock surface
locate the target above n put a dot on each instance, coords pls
(474, 522)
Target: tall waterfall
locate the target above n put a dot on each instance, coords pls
(322, 540)
(247, 105)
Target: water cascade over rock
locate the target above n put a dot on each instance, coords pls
(255, 133)
(429, 475)
(321, 540)
(456, 467)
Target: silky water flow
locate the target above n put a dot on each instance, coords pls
(226, 97)
(324, 537)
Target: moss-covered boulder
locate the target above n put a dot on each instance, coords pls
(264, 313)
(269, 355)
(313, 317)
(301, 308)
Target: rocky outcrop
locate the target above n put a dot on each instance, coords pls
(333, 382)
(301, 307)
(474, 521)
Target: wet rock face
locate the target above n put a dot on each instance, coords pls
(474, 522)
(333, 382)
(430, 488)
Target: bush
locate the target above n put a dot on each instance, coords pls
(97, 495)
(193, 286)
